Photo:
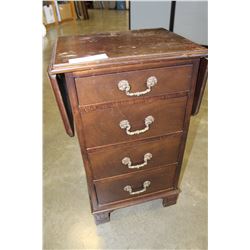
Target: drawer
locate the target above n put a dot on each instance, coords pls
(146, 182)
(153, 118)
(104, 88)
(135, 157)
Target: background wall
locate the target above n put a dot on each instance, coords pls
(191, 18)
(149, 14)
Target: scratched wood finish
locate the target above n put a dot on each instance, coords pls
(113, 189)
(108, 162)
(98, 107)
(104, 88)
(122, 47)
(102, 126)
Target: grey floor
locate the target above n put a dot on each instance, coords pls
(67, 221)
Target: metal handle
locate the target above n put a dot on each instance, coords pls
(127, 161)
(123, 85)
(128, 188)
(124, 124)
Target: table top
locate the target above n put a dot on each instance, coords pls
(120, 48)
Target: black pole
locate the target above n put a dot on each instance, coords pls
(129, 16)
(172, 14)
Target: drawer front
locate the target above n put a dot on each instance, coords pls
(135, 157)
(104, 88)
(154, 118)
(136, 185)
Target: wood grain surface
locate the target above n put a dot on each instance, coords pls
(121, 47)
(112, 190)
(108, 162)
(89, 92)
(104, 88)
(102, 126)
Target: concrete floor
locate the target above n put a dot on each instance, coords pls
(67, 221)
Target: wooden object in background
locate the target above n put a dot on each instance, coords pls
(66, 11)
(81, 10)
(131, 111)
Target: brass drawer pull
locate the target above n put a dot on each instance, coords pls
(123, 85)
(146, 184)
(127, 161)
(124, 124)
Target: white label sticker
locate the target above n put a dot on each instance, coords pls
(88, 58)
